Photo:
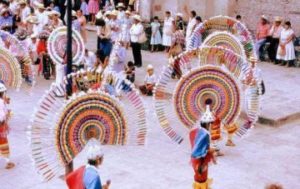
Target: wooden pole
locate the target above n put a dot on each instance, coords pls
(69, 167)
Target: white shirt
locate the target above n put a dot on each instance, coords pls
(168, 26)
(121, 15)
(43, 20)
(25, 13)
(150, 79)
(3, 110)
(189, 30)
(90, 60)
(13, 7)
(135, 31)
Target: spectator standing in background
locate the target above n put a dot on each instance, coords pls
(261, 36)
(93, 7)
(84, 9)
(274, 38)
(136, 32)
(155, 35)
(168, 30)
(191, 26)
(286, 49)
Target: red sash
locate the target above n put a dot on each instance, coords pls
(75, 179)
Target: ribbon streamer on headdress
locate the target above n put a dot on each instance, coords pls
(224, 23)
(217, 75)
(60, 129)
(10, 71)
(57, 45)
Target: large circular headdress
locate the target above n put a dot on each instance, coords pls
(202, 84)
(10, 71)
(217, 75)
(224, 23)
(226, 40)
(61, 128)
(18, 50)
(57, 45)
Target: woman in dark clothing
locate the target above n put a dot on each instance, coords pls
(104, 42)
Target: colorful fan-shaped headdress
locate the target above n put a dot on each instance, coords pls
(209, 73)
(224, 23)
(10, 70)
(61, 128)
(17, 49)
(57, 45)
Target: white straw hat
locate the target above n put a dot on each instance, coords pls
(137, 17)
(150, 67)
(94, 150)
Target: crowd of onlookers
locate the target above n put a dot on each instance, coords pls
(279, 36)
(118, 27)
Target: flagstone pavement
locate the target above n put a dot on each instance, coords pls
(268, 154)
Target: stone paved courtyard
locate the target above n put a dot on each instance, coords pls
(268, 154)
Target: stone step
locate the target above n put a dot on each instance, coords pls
(280, 121)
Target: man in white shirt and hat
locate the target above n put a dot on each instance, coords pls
(121, 8)
(42, 16)
(13, 5)
(136, 31)
(24, 10)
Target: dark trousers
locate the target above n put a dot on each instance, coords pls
(272, 50)
(137, 55)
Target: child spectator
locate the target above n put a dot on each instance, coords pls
(89, 59)
(130, 71)
(156, 36)
(149, 82)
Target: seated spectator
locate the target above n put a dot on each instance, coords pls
(89, 59)
(109, 86)
(261, 36)
(149, 82)
(130, 71)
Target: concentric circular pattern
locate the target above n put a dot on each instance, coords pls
(90, 116)
(57, 45)
(213, 73)
(226, 40)
(15, 45)
(60, 129)
(10, 71)
(202, 84)
(18, 50)
(224, 23)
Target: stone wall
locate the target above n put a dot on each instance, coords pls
(204, 8)
(249, 9)
(252, 9)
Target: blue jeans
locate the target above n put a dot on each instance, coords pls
(258, 45)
